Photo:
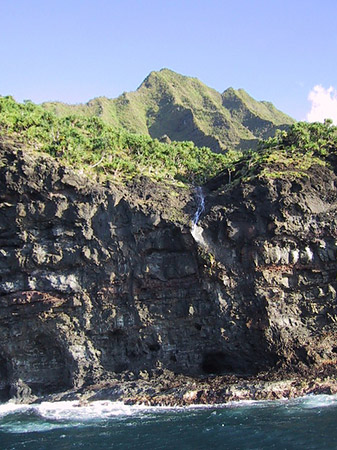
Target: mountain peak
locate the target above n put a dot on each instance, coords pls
(167, 76)
(184, 108)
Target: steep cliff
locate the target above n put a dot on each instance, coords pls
(102, 281)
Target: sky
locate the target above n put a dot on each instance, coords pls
(283, 51)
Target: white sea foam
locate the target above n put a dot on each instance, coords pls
(318, 401)
(12, 408)
(50, 415)
(77, 411)
(306, 402)
(73, 410)
(94, 410)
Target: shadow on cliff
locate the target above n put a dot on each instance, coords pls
(234, 218)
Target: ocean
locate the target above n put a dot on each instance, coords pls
(306, 423)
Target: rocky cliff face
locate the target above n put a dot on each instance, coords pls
(274, 245)
(98, 280)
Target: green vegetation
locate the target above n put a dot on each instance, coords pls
(290, 153)
(244, 107)
(89, 143)
(184, 108)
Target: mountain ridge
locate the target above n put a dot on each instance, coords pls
(184, 108)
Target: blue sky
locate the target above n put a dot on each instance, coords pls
(277, 50)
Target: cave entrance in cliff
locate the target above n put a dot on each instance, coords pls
(49, 365)
(217, 363)
(4, 379)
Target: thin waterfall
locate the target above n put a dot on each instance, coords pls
(201, 204)
(196, 230)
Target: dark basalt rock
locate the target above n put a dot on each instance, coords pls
(98, 285)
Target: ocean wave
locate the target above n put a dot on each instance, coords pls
(317, 401)
(45, 416)
(73, 410)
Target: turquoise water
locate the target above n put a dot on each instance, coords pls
(307, 423)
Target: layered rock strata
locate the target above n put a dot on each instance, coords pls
(100, 283)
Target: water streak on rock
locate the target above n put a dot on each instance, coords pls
(196, 230)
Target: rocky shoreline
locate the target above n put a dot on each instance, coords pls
(169, 389)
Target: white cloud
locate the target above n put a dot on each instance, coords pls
(323, 104)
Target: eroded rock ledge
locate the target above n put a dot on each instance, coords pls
(101, 285)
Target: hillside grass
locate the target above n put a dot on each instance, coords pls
(182, 107)
(290, 154)
(89, 144)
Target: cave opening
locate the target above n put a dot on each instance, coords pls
(217, 363)
(4, 380)
(49, 369)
